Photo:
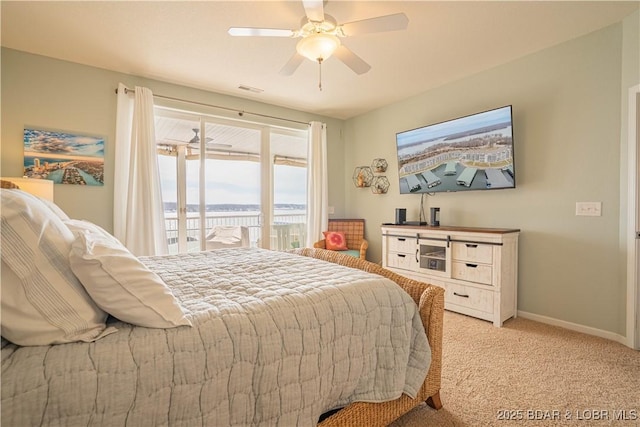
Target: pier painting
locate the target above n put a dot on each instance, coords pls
(63, 157)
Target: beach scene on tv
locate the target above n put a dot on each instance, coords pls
(470, 153)
(63, 157)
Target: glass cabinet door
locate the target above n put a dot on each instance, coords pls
(433, 256)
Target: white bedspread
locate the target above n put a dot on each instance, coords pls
(277, 340)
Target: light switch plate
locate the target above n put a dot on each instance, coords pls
(588, 208)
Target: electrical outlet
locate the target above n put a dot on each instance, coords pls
(331, 210)
(588, 208)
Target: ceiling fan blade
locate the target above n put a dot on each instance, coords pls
(264, 32)
(171, 141)
(210, 146)
(314, 10)
(292, 65)
(351, 60)
(397, 21)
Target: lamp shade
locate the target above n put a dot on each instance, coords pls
(318, 46)
(38, 187)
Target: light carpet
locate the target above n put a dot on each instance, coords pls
(530, 373)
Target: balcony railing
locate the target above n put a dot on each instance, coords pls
(288, 230)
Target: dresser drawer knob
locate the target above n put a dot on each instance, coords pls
(461, 295)
(472, 265)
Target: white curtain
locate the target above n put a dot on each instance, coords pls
(317, 183)
(138, 212)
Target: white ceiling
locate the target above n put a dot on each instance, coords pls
(187, 43)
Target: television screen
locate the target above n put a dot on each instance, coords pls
(468, 153)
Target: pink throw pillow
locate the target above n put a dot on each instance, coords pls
(335, 241)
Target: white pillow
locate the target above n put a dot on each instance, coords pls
(55, 209)
(42, 301)
(118, 282)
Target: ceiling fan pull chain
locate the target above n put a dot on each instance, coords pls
(320, 73)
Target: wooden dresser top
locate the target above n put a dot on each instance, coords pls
(453, 229)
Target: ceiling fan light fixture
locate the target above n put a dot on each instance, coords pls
(318, 47)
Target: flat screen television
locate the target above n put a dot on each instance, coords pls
(474, 152)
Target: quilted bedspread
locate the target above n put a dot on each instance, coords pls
(277, 339)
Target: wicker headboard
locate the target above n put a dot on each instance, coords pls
(8, 184)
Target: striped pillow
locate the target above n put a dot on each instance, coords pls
(42, 300)
(118, 282)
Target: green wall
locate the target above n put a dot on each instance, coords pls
(567, 114)
(53, 94)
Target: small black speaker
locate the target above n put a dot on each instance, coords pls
(401, 216)
(435, 217)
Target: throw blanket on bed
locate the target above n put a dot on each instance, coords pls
(277, 339)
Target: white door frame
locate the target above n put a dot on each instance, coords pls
(633, 221)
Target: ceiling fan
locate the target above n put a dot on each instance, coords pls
(320, 36)
(170, 145)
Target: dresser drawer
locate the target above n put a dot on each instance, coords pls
(401, 260)
(472, 252)
(467, 296)
(402, 244)
(471, 272)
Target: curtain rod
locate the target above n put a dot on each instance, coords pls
(240, 112)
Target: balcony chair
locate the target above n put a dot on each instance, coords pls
(353, 231)
(228, 236)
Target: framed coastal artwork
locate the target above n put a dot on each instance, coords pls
(63, 157)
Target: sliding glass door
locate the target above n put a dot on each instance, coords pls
(289, 220)
(217, 172)
(173, 134)
(232, 180)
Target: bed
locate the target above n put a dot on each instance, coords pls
(233, 337)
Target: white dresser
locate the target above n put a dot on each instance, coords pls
(477, 267)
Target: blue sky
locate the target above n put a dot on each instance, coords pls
(450, 127)
(234, 182)
(59, 143)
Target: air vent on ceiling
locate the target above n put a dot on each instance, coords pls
(251, 89)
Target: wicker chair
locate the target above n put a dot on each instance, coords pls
(353, 230)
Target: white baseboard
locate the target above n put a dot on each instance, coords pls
(574, 327)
